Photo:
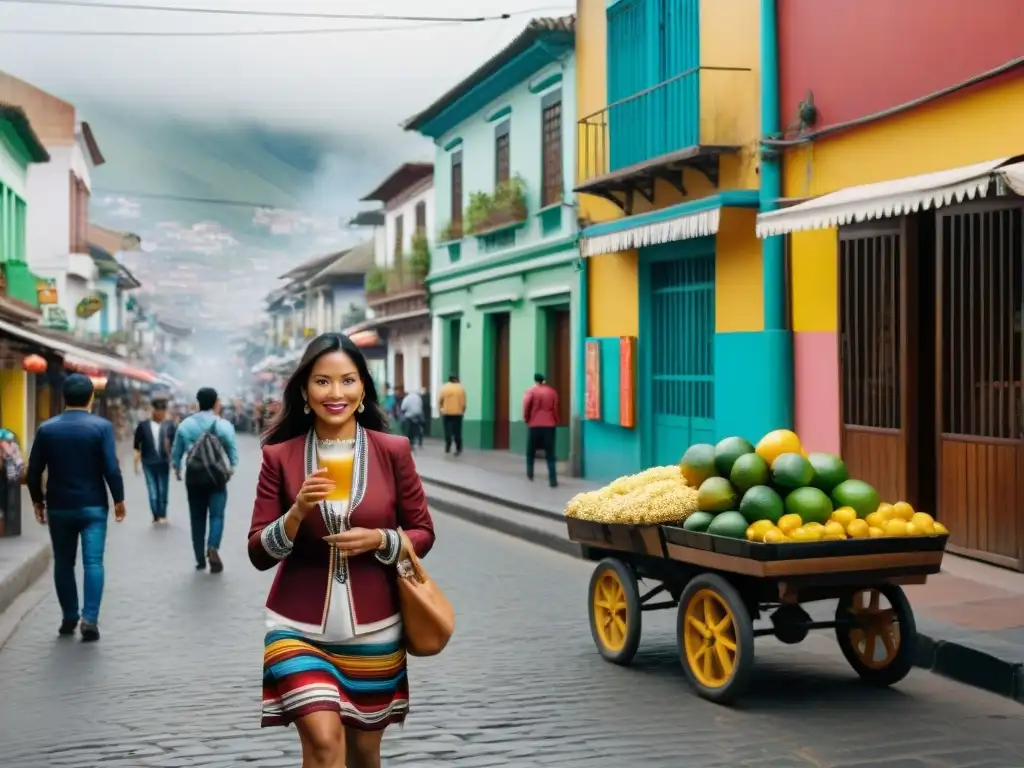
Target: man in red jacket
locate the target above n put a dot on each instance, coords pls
(540, 412)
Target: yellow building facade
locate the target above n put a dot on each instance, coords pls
(671, 257)
(906, 317)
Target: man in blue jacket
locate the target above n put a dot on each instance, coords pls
(77, 451)
(207, 444)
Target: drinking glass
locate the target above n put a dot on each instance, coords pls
(338, 460)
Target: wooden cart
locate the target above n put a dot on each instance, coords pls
(720, 586)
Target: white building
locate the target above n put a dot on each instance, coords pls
(60, 190)
(396, 295)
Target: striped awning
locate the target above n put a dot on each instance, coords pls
(685, 221)
(896, 197)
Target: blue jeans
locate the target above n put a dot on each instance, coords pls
(66, 525)
(206, 504)
(158, 482)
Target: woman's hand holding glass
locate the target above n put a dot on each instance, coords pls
(315, 489)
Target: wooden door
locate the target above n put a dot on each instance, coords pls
(559, 363)
(979, 379)
(873, 321)
(399, 372)
(500, 328)
(425, 372)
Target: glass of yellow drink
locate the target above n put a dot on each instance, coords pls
(338, 461)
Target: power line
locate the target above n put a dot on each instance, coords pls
(265, 14)
(188, 199)
(253, 33)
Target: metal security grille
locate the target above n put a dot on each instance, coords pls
(682, 353)
(869, 328)
(981, 254)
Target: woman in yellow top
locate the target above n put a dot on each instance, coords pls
(452, 404)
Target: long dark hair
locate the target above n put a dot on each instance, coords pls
(291, 421)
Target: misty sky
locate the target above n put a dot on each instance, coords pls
(305, 123)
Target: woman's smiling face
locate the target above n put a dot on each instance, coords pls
(334, 389)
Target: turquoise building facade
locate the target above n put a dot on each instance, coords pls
(504, 280)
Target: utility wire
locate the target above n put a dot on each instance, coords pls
(266, 14)
(188, 199)
(253, 33)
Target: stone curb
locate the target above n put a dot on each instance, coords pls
(948, 658)
(22, 577)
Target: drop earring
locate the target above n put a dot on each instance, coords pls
(305, 408)
(361, 408)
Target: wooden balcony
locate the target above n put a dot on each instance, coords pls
(687, 121)
(404, 295)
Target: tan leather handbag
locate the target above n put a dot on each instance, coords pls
(428, 619)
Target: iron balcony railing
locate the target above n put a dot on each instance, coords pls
(705, 106)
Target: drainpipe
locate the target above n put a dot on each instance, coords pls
(772, 250)
(576, 446)
(778, 405)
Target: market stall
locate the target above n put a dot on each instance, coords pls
(738, 533)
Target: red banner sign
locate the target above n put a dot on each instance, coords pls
(627, 377)
(593, 381)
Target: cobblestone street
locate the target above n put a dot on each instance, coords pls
(175, 680)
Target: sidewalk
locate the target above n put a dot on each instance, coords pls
(23, 559)
(970, 617)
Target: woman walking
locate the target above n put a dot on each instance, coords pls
(333, 490)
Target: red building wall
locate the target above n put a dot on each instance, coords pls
(862, 56)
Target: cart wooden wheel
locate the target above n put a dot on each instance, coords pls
(879, 641)
(615, 611)
(716, 638)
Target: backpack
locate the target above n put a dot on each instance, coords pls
(206, 464)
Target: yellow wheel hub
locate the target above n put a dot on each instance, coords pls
(876, 640)
(709, 637)
(610, 611)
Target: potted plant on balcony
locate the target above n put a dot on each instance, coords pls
(419, 259)
(376, 281)
(450, 232)
(506, 206)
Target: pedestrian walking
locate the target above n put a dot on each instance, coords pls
(540, 412)
(412, 418)
(205, 447)
(452, 404)
(333, 491)
(154, 437)
(77, 452)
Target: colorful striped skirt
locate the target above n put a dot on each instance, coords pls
(365, 683)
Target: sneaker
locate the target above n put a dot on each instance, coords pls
(90, 633)
(216, 566)
(67, 628)
(200, 566)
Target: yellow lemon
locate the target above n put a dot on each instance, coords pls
(834, 530)
(912, 530)
(902, 511)
(885, 510)
(876, 520)
(875, 533)
(774, 536)
(844, 516)
(789, 523)
(776, 443)
(858, 529)
(757, 530)
(807, 534)
(895, 527)
(924, 523)
(940, 529)
(815, 527)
